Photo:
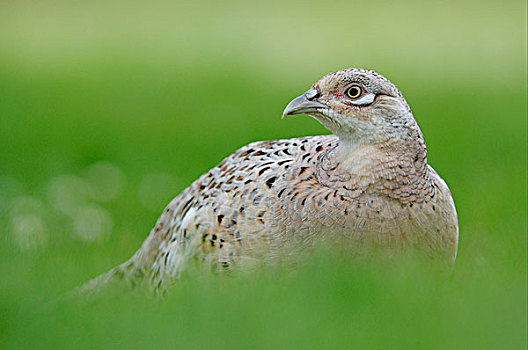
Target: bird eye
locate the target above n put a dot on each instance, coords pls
(353, 92)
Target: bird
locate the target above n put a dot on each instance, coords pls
(366, 186)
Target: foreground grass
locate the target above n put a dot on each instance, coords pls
(331, 301)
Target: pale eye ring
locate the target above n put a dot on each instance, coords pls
(354, 91)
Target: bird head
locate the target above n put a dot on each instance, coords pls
(357, 105)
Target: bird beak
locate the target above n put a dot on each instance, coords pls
(303, 104)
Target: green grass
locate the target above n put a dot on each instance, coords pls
(107, 111)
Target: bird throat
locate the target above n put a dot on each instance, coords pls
(396, 169)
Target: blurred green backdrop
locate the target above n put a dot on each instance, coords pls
(108, 109)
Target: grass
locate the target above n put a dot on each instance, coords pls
(108, 111)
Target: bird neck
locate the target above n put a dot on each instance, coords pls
(356, 156)
(377, 168)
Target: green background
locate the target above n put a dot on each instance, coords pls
(109, 109)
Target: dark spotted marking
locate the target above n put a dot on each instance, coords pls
(253, 192)
(270, 181)
(260, 216)
(303, 169)
(263, 170)
(247, 152)
(282, 162)
(257, 199)
(220, 218)
(267, 163)
(188, 203)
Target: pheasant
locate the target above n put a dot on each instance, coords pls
(367, 185)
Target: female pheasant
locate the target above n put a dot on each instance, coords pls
(368, 185)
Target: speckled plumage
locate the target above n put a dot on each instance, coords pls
(368, 185)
